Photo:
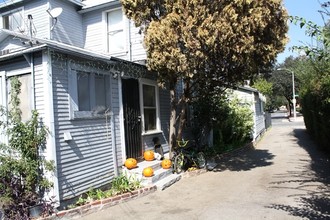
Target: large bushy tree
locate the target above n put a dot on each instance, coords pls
(207, 44)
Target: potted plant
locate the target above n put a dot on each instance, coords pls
(23, 182)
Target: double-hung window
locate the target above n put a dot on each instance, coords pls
(24, 95)
(90, 94)
(150, 106)
(12, 20)
(115, 31)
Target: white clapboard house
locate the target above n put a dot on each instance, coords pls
(82, 67)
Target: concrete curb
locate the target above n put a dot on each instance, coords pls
(98, 205)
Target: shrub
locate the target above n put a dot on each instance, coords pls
(22, 172)
(316, 110)
(230, 119)
(119, 185)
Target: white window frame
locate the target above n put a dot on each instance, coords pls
(3, 103)
(154, 84)
(75, 113)
(21, 11)
(5, 92)
(108, 49)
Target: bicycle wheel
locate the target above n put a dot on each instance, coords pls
(178, 163)
(201, 161)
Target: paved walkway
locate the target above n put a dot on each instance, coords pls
(285, 177)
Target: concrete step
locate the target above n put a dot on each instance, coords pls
(167, 181)
(158, 175)
(162, 178)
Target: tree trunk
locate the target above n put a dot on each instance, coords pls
(176, 131)
(182, 120)
(183, 111)
(172, 134)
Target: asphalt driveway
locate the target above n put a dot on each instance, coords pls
(285, 177)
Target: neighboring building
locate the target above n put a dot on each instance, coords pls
(81, 64)
(257, 102)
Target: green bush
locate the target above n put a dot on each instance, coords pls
(119, 185)
(230, 119)
(316, 110)
(236, 129)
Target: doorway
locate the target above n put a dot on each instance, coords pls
(132, 118)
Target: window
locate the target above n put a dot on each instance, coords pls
(89, 94)
(150, 106)
(115, 31)
(25, 95)
(13, 20)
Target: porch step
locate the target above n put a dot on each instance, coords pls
(167, 181)
(162, 178)
(158, 175)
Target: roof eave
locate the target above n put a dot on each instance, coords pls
(12, 2)
(100, 6)
(22, 52)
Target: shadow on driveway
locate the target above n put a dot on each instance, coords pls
(246, 160)
(313, 182)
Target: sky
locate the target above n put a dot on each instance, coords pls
(307, 9)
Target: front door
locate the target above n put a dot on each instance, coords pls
(132, 118)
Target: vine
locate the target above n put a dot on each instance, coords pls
(23, 183)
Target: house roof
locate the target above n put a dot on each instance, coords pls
(77, 2)
(37, 44)
(91, 5)
(12, 2)
(248, 88)
(8, 3)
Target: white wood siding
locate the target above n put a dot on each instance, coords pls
(138, 52)
(94, 26)
(86, 161)
(40, 95)
(41, 19)
(252, 98)
(69, 28)
(259, 116)
(94, 32)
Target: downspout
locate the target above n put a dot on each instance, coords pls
(254, 118)
(113, 136)
(129, 41)
(113, 142)
(33, 81)
(121, 119)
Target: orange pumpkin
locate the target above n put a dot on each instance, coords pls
(148, 172)
(166, 164)
(149, 155)
(130, 163)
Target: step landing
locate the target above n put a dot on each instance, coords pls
(162, 178)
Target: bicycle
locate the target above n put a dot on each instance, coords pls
(185, 156)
